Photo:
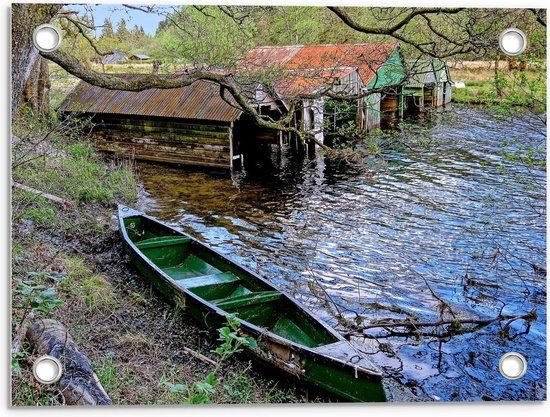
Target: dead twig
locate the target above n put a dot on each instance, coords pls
(199, 356)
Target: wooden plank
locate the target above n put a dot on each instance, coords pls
(160, 147)
(164, 130)
(173, 160)
(249, 299)
(175, 123)
(205, 280)
(196, 153)
(199, 356)
(162, 241)
(61, 201)
(187, 142)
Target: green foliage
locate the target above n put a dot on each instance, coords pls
(339, 125)
(231, 341)
(122, 32)
(107, 30)
(106, 371)
(202, 392)
(240, 387)
(54, 156)
(37, 297)
(209, 37)
(516, 151)
(43, 214)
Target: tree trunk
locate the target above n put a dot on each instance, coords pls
(43, 88)
(498, 87)
(36, 94)
(79, 384)
(24, 19)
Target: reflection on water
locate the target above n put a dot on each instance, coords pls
(452, 218)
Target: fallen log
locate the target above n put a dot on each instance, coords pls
(79, 384)
(66, 204)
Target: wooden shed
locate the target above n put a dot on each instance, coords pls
(443, 83)
(428, 84)
(113, 58)
(339, 68)
(139, 57)
(190, 125)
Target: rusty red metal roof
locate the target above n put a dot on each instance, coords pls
(200, 100)
(366, 57)
(296, 82)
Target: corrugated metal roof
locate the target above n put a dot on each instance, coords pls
(418, 73)
(308, 81)
(200, 100)
(142, 57)
(113, 58)
(424, 71)
(441, 71)
(368, 57)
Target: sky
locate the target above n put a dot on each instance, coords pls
(116, 12)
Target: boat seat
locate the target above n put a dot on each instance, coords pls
(207, 280)
(246, 300)
(161, 241)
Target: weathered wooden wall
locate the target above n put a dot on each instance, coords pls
(439, 91)
(448, 93)
(187, 142)
(429, 96)
(372, 111)
(389, 104)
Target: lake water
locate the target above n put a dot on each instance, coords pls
(450, 221)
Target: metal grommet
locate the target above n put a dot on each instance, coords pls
(512, 42)
(512, 365)
(46, 38)
(47, 369)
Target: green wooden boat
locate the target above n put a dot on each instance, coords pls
(209, 287)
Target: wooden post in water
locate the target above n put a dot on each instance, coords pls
(311, 148)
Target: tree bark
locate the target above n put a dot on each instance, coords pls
(36, 94)
(79, 384)
(24, 19)
(43, 88)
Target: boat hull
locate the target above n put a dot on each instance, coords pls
(336, 367)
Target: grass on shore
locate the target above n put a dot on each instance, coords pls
(518, 88)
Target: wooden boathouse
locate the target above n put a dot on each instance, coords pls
(190, 125)
(195, 125)
(428, 84)
(345, 69)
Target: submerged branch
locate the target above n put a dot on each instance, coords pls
(455, 327)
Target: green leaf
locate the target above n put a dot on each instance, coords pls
(203, 388)
(176, 388)
(211, 379)
(251, 342)
(15, 367)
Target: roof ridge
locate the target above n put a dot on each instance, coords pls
(325, 44)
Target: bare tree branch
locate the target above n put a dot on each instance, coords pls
(390, 30)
